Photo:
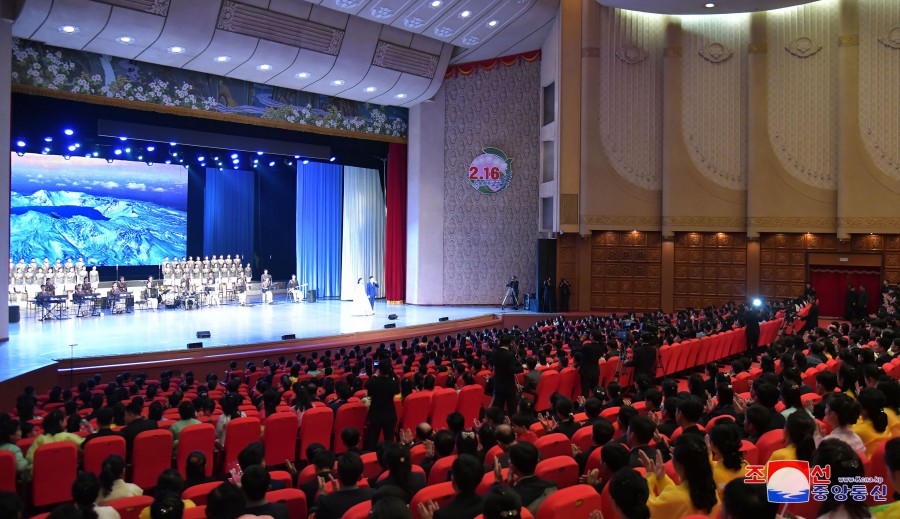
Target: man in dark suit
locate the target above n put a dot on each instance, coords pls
(347, 493)
(523, 459)
(862, 303)
(643, 358)
(751, 328)
(466, 473)
(255, 483)
(104, 426)
(382, 416)
(850, 303)
(372, 291)
(591, 352)
(506, 366)
(134, 425)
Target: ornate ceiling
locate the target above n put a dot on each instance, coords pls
(390, 52)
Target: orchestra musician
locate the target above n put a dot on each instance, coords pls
(294, 288)
(248, 273)
(47, 289)
(86, 286)
(151, 293)
(267, 288)
(241, 289)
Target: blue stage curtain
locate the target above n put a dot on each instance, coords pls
(229, 207)
(364, 229)
(319, 195)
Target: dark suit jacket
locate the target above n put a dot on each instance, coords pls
(590, 356)
(751, 323)
(643, 360)
(334, 505)
(463, 506)
(417, 482)
(532, 488)
(382, 391)
(276, 510)
(99, 434)
(506, 365)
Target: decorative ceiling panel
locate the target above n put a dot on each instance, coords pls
(280, 28)
(405, 60)
(157, 7)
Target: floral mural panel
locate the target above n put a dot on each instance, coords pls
(79, 72)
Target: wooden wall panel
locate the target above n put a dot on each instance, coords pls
(888, 245)
(710, 269)
(783, 261)
(626, 269)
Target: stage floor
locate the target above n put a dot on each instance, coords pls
(33, 344)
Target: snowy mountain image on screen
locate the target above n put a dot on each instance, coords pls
(105, 230)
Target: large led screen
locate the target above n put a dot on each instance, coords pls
(118, 213)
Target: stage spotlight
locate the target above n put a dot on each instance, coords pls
(757, 302)
(288, 162)
(123, 139)
(173, 143)
(67, 156)
(271, 163)
(45, 151)
(305, 162)
(296, 156)
(118, 152)
(203, 164)
(151, 148)
(71, 148)
(77, 145)
(235, 166)
(96, 154)
(168, 161)
(216, 159)
(174, 153)
(150, 163)
(127, 150)
(109, 160)
(234, 155)
(235, 161)
(69, 131)
(259, 153)
(220, 169)
(20, 153)
(332, 159)
(140, 157)
(48, 139)
(20, 144)
(201, 158)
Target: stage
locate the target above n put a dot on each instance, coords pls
(34, 344)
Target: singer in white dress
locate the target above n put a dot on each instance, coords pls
(361, 304)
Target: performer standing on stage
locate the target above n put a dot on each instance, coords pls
(361, 304)
(248, 272)
(266, 280)
(241, 290)
(371, 292)
(95, 277)
(293, 288)
(151, 293)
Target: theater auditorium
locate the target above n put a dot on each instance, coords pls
(468, 259)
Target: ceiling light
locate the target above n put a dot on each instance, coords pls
(234, 155)
(371, 89)
(20, 153)
(222, 59)
(271, 163)
(176, 50)
(140, 157)
(492, 23)
(20, 144)
(175, 154)
(296, 156)
(168, 161)
(67, 156)
(109, 160)
(118, 152)
(68, 29)
(305, 162)
(331, 159)
(400, 96)
(302, 75)
(235, 161)
(125, 40)
(45, 151)
(436, 3)
(96, 153)
(48, 139)
(259, 153)
(127, 150)
(264, 66)
(123, 139)
(69, 131)
(77, 145)
(465, 14)
(72, 148)
(710, 5)
(151, 148)
(203, 164)
(173, 143)
(200, 158)
(337, 82)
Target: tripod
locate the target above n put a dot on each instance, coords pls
(510, 293)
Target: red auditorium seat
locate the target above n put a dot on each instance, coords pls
(198, 512)
(561, 470)
(280, 438)
(7, 471)
(523, 514)
(720, 418)
(130, 507)
(567, 378)
(417, 454)
(55, 468)
(371, 467)
(152, 455)
(282, 476)
(751, 453)
(487, 481)
(348, 415)
(315, 428)
(443, 402)
(198, 493)
(359, 511)
(552, 445)
(99, 449)
(608, 370)
(492, 453)
(677, 432)
(583, 438)
(415, 410)
(307, 473)
(469, 401)
(575, 502)
(547, 385)
(415, 470)
(294, 499)
(441, 493)
(769, 443)
(199, 437)
(440, 471)
(239, 433)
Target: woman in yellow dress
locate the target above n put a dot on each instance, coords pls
(697, 492)
(872, 426)
(724, 442)
(799, 435)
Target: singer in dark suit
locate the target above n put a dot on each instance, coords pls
(372, 291)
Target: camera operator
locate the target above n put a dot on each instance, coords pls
(381, 388)
(643, 358)
(512, 291)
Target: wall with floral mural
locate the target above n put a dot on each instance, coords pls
(79, 72)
